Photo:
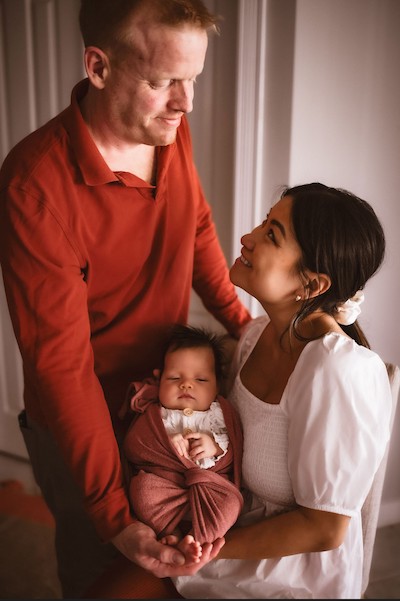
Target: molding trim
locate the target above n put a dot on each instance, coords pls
(250, 119)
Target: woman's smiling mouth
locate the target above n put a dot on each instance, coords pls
(245, 261)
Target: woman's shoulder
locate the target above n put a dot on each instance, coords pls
(338, 351)
(336, 362)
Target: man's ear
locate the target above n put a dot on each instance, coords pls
(318, 284)
(97, 66)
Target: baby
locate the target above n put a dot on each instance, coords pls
(185, 445)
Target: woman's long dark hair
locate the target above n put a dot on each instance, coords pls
(340, 236)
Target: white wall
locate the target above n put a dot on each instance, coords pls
(346, 127)
(329, 110)
(346, 132)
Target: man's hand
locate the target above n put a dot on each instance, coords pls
(139, 544)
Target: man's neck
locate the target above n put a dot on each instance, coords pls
(138, 159)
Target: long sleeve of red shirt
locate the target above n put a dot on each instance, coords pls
(96, 264)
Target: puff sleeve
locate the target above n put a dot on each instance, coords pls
(339, 407)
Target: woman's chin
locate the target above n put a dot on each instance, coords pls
(234, 276)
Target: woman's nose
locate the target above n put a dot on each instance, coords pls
(247, 241)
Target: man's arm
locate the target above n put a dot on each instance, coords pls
(47, 297)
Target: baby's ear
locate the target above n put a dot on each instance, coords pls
(157, 373)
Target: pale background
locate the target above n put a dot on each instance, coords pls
(293, 91)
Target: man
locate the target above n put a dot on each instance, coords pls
(104, 230)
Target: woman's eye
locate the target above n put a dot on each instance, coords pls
(271, 235)
(265, 220)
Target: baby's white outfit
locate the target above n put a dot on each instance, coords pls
(187, 420)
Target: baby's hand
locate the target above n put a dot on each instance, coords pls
(202, 446)
(180, 445)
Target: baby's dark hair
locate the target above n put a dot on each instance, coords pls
(184, 336)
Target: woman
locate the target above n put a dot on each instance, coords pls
(314, 401)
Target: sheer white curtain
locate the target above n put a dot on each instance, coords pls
(40, 60)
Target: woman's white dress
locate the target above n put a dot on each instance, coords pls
(319, 448)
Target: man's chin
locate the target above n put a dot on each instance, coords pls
(166, 139)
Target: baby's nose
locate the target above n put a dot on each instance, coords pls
(185, 384)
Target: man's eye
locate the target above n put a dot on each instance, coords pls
(163, 83)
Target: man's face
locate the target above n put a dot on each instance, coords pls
(152, 87)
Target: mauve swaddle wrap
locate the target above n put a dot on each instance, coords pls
(165, 486)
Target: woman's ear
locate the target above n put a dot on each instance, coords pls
(97, 66)
(318, 284)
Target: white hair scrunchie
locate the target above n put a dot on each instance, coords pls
(348, 312)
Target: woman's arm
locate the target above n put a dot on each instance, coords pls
(302, 530)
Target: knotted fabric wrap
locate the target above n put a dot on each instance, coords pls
(167, 489)
(348, 312)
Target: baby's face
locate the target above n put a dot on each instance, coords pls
(188, 379)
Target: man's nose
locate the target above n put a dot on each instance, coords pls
(182, 96)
